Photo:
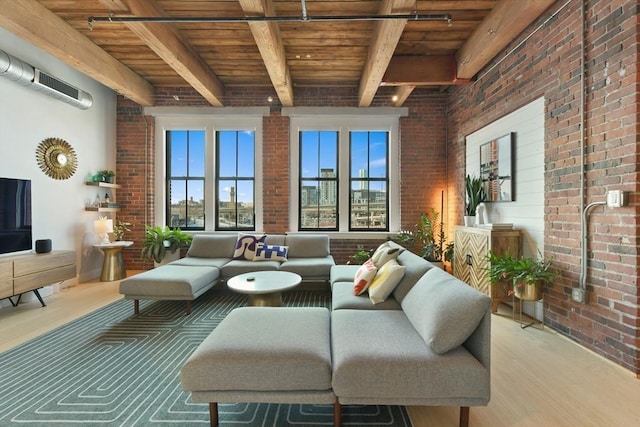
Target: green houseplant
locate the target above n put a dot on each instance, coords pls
(427, 239)
(158, 241)
(527, 275)
(119, 229)
(474, 196)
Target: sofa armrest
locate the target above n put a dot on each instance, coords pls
(479, 342)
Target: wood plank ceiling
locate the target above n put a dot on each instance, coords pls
(133, 58)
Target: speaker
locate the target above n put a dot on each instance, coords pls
(43, 246)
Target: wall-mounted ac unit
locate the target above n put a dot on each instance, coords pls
(19, 71)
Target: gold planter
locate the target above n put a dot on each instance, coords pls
(528, 291)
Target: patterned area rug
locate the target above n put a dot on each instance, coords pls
(111, 368)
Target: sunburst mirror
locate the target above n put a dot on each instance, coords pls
(56, 158)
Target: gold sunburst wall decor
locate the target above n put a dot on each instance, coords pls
(56, 158)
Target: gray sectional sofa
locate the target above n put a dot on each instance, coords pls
(427, 344)
(210, 259)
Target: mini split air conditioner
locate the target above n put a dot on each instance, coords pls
(22, 73)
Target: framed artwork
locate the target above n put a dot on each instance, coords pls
(496, 168)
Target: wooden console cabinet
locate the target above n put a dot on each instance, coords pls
(29, 272)
(472, 245)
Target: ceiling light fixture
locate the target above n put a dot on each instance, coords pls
(186, 19)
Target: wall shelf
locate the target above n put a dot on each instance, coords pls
(103, 208)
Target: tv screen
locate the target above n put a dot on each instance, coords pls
(15, 215)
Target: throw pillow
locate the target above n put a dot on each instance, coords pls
(246, 246)
(365, 274)
(384, 253)
(266, 252)
(385, 281)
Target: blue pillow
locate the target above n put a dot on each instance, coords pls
(270, 252)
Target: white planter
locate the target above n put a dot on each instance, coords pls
(469, 220)
(168, 258)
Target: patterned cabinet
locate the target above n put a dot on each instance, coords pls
(472, 245)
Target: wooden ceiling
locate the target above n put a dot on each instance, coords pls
(133, 58)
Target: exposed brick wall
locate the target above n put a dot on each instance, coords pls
(548, 64)
(422, 156)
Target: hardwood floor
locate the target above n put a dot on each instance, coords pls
(539, 378)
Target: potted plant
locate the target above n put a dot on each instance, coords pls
(474, 196)
(106, 176)
(359, 257)
(159, 241)
(119, 229)
(428, 238)
(527, 275)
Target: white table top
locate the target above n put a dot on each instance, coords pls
(117, 244)
(264, 282)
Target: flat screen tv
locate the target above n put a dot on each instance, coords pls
(15, 215)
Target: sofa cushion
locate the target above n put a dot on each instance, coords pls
(365, 274)
(309, 268)
(238, 266)
(444, 310)
(415, 267)
(170, 282)
(343, 273)
(266, 252)
(386, 252)
(245, 248)
(386, 280)
(342, 298)
(212, 245)
(308, 245)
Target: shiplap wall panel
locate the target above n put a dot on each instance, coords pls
(527, 210)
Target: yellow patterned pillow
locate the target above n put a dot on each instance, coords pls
(385, 281)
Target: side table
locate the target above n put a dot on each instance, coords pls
(112, 266)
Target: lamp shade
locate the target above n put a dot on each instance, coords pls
(103, 226)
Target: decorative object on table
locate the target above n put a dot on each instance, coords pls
(474, 196)
(527, 275)
(496, 169)
(158, 241)
(119, 229)
(103, 226)
(56, 158)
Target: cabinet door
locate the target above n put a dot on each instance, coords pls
(470, 258)
(6, 279)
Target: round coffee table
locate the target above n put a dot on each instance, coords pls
(264, 287)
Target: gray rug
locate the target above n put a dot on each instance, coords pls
(111, 368)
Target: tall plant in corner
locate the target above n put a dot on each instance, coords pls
(474, 195)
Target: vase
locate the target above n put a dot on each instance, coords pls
(469, 220)
(528, 291)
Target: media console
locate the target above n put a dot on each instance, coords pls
(29, 272)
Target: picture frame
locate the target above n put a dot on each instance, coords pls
(497, 168)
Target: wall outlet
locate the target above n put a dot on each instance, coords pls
(579, 295)
(360, 247)
(616, 199)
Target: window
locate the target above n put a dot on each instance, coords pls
(185, 178)
(344, 170)
(235, 180)
(369, 209)
(318, 180)
(208, 167)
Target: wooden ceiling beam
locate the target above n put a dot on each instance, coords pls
(401, 94)
(267, 37)
(31, 21)
(503, 24)
(386, 35)
(167, 42)
(421, 71)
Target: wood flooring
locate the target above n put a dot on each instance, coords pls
(539, 378)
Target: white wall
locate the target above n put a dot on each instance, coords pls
(26, 118)
(526, 212)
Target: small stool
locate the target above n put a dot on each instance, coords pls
(264, 355)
